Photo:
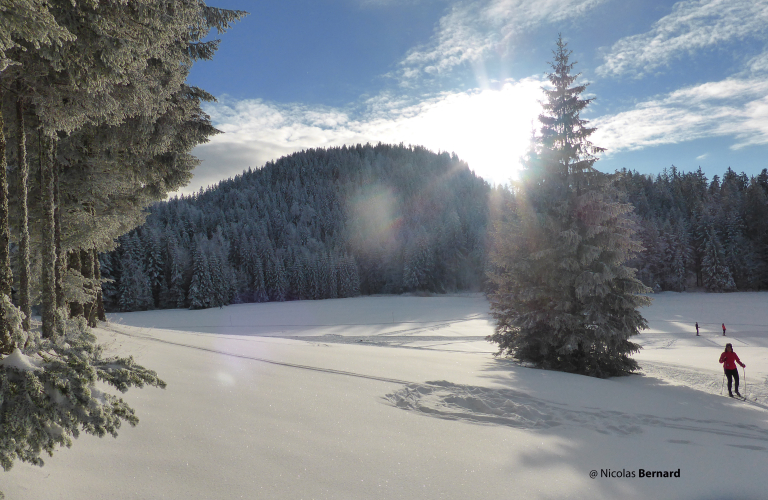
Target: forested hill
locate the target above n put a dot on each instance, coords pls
(321, 223)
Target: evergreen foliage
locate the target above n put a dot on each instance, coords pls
(562, 295)
(717, 276)
(319, 224)
(316, 213)
(115, 116)
(49, 395)
(103, 111)
(692, 229)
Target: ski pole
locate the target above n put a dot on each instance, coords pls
(722, 385)
(744, 371)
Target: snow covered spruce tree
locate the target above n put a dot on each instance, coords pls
(717, 275)
(102, 86)
(122, 120)
(21, 24)
(561, 295)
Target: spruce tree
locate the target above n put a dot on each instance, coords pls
(258, 286)
(200, 288)
(125, 68)
(25, 27)
(219, 286)
(717, 275)
(333, 281)
(353, 275)
(176, 293)
(280, 280)
(135, 289)
(122, 76)
(562, 297)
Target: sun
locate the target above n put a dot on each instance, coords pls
(490, 129)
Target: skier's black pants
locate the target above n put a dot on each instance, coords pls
(735, 374)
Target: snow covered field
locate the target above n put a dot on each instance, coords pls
(400, 397)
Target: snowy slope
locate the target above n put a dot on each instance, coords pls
(399, 397)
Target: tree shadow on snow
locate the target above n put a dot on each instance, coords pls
(564, 405)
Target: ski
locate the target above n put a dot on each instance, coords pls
(741, 398)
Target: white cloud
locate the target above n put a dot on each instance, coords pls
(388, 3)
(692, 25)
(487, 128)
(758, 64)
(701, 157)
(472, 30)
(735, 107)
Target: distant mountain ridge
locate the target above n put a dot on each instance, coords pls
(321, 223)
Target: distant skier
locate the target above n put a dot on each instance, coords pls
(730, 359)
(723, 329)
(697, 328)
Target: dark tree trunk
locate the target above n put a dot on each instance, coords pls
(100, 313)
(24, 300)
(59, 261)
(89, 309)
(6, 278)
(48, 243)
(73, 263)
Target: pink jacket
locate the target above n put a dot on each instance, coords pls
(730, 359)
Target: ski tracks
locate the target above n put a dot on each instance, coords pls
(709, 382)
(484, 405)
(511, 408)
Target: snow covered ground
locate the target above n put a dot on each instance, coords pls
(400, 397)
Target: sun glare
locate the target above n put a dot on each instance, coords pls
(489, 129)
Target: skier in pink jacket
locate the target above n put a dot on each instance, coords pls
(729, 360)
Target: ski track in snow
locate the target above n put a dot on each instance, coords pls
(388, 341)
(511, 408)
(493, 406)
(711, 383)
(483, 405)
(357, 428)
(253, 358)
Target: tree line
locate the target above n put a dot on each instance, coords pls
(711, 234)
(322, 223)
(297, 230)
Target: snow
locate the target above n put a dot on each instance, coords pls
(400, 397)
(19, 361)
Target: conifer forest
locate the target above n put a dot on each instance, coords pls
(319, 224)
(299, 229)
(97, 128)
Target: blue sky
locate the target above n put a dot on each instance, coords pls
(683, 83)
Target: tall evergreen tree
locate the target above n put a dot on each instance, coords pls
(717, 275)
(135, 288)
(176, 295)
(200, 291)
(23, 26)
(75, 67)
(563, 298)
